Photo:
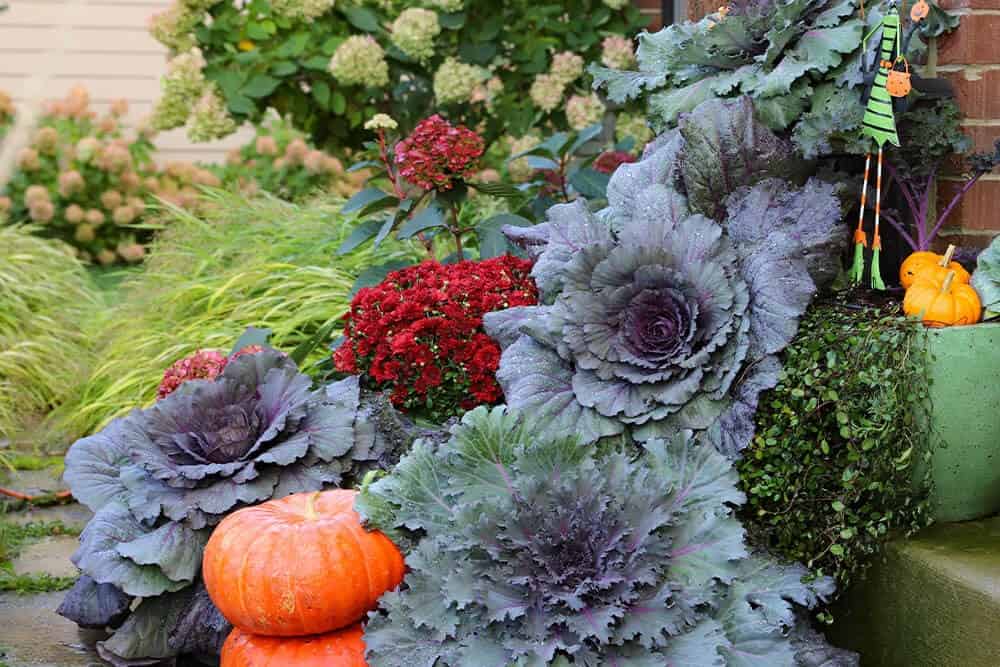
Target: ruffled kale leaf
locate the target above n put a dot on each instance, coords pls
(661, 319)
(159, 479)
(784, 54)
(986, 278)
(532, 550)
(93, 605)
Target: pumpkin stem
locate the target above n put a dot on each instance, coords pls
(311, 512)
(946, 285)
(948, 254)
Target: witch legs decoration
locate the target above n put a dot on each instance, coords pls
(880, 125)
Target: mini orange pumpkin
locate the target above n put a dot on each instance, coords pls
(343, 648)
(924, 260)
(301, 565)
(942, 304)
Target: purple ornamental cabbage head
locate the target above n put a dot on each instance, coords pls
(660, 319)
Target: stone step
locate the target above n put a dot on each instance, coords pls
(933, 601)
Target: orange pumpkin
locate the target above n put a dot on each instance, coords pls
(942, 304)
(343, 648)
(301, 565)
(924, 260)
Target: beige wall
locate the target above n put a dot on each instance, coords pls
(48, 46)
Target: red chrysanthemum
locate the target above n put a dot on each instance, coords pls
(202, 365)
(419, 333)
(438, 153)
(608, 161)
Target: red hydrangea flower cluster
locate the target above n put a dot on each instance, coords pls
(202, 365)
(419, 333)
(438, 153)
(608, 161)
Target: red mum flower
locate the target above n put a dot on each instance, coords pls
(608, 161)
(438, 153)
(202, 365)
(419, 334)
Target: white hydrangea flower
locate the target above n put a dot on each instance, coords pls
(359, 60)
(414, 31)
(455, 81)
(210, 118)
(174, 27)
(635, 126)
(182, 85)
(567, 67)
(584, 110)
(547, 91)
(616, 4)
(519, 170)
(301, 9)
(617, 52)
(447, 6)
(381, 121)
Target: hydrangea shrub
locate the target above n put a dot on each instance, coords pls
(332, 66)
(419, 333)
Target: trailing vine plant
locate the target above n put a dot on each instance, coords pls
(829, 475)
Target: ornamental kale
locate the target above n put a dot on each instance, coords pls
(160, 479)
(657, 318)
(986, 278)
(536, 551)
(801, 62)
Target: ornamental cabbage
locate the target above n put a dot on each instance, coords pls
(161, 478)
(535, 551)
(659, 319)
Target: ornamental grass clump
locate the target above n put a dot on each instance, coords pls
(245, 262)
(160, 479)
(45, 298)
(419, 334)
(527, 549)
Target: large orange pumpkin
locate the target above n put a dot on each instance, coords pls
(343, 648)
(942, 304)
(301, 565)
(923, 261)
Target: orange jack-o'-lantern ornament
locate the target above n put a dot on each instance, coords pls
(898, 82)
(920, 11)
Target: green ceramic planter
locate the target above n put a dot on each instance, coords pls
(964, 369)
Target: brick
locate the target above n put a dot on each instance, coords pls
(976, 42)
(983, 136)
(976, 91)
(978, 210)
(655, 5)
(969, 4)
(698, 9)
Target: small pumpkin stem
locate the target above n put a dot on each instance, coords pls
(311, 512)
(948, 280)
(948, 254)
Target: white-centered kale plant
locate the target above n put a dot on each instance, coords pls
(161, 478)
(665, 311)
(528, 550)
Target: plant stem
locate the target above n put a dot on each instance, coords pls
(899, 228)
(456, 231)
(952, 204)
(384, 154)
(910, 196)
(563, 163)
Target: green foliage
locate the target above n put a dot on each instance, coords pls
(246, 262)
(803, 63)
(829, 476)
(475, 61)
(12, 538)
(45, 299)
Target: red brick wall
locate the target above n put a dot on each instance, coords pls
(970, 59)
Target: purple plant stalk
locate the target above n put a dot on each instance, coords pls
(919, 211)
